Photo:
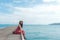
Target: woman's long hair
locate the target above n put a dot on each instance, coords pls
(21, 23)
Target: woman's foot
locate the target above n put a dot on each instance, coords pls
(24, 37)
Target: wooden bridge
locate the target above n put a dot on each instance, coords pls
(6, 34)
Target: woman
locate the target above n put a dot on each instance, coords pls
(19, 29)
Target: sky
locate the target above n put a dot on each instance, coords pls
(30, 11)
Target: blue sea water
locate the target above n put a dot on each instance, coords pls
(41, 32)
(6, 25)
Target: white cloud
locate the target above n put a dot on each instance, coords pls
(8, 19)
(40, 14)
(48, 0)
(17, 1)
(52, 1)
(58, 1)
(26, 1)
(40, 9)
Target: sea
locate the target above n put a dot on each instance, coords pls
(39, 32)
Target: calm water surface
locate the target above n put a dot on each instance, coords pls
(42, 32)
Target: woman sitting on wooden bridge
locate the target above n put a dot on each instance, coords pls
(19, 29)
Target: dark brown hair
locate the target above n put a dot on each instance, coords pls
(21, 23)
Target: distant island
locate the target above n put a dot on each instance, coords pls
(55, 24)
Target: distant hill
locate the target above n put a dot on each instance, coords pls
(55, 24)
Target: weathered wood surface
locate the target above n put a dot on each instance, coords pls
(6, 34)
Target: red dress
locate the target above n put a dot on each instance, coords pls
(18, 31)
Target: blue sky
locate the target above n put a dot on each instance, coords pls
(30, 11)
